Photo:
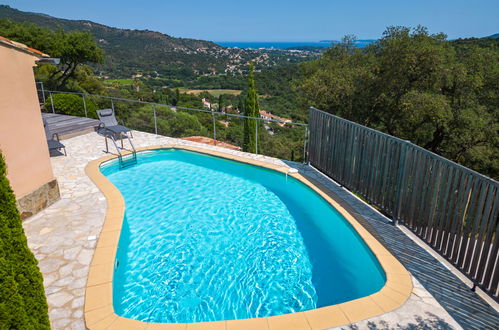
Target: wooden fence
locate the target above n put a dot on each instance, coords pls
(452, 208)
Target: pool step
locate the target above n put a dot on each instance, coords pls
(128, 160)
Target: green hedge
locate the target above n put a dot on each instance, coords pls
(22, 297)
(71, 104)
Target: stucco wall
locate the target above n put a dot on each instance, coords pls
(22, 137)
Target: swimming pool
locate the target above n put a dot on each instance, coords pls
(207, 239)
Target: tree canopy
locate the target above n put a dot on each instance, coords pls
(417, 86)
(74, 49)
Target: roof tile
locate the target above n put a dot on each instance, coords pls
(22, 47)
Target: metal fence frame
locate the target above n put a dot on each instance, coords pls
(452, 208)
(214, 113)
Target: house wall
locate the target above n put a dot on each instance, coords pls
(22, 137)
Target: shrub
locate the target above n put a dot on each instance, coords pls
(22, 298)
(71, 104)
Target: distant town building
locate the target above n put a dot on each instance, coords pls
(224, 122)
(268, 116)
(231, 109)
(206, 103)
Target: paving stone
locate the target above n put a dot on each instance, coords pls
(52, 289)
(45, 230)
(70, 254)
(85, 256)
(64, 282)
(60, 324)
(78, 302)
(59, 299)
(420, 292)
(78, 292)
(78, 324)
(78, 314)
(49, 278)
(79, 283)
(59, 313)
(67, 269)
(48, 265)
(80, 272)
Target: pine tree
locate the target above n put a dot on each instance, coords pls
(251, 109)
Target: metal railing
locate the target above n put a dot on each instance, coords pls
(158, 110)
(452, 208)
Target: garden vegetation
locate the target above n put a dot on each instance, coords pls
(417, 86)
(22, 297)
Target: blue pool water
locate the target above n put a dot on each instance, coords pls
(208, 239)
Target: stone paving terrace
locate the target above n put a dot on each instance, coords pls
(64, 235)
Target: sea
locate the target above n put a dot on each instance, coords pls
(285, 44)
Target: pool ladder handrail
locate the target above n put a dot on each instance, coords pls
(124, 162)
(291, 170)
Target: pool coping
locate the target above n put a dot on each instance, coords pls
(99, 312)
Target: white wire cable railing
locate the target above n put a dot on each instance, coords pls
(277, 138)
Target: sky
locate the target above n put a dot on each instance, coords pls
(278, 20)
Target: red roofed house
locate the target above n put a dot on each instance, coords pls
(268, 116)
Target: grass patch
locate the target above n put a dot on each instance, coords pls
(214, 92)
(120, 81)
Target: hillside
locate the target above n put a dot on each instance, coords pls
(486, 42)
(148, 52)
(361, 43)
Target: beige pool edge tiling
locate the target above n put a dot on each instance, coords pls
(99, 311)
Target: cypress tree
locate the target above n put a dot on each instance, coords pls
(22, 298)
(177, 96)
(251, 109)
(240, 104)
(220, 102)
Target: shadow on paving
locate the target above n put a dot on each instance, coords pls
(464, 305)
(431, 322)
